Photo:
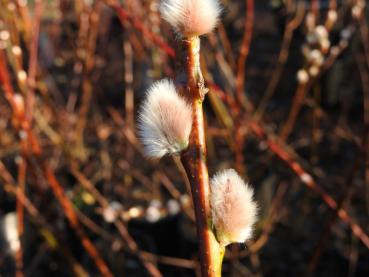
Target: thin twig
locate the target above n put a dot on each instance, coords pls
(364, 75)
(104, 203)
(308, 180)
(245, 50)
(282, 58)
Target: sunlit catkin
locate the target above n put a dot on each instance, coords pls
(191, 17)
(165, 120)
(232, 206)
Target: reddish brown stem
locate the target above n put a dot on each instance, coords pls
(245, 49)
(327, 230)
(87, 85)
(22, 169)
(315, 8)
(32, 70)
(282, 58)
(364, 76)
(194, 161)
(138, 25)
(73, 221)
(297, 103)
(332, 4)
(26, 124)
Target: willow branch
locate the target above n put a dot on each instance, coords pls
(194, 161)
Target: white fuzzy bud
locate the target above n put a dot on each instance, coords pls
(233, 209)
(314, 70)
(302, 76)
(316, 57)
(4, 35)
(321, 32)
(111, 212)
(165, 120)
(8, 228)
(19, 106)
(325, 44)
(331, 18)
(22, 76)
(318, 34)
(357, 9)
(310, 21)
(16, 50)
(191, 17)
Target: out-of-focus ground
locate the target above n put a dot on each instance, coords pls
(72, 170)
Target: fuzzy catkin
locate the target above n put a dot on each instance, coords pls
(164, 121)
(232, 207)
(191, 17)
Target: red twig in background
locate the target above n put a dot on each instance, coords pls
(282, 58)
(129, 99)
(9, 95)
(275, 210)
(22, 169)
(54, 184)
(244, 51)
(26, 125)
(364, 75)
(104, 203)
(33, 61)
(332, 4)
(47, 231)
(315, 8)
(297, 103)
(87, 84)
(73, 220)
(240, 82)
(344, 198)
(138, 25)
(308, 180)
(227, 45)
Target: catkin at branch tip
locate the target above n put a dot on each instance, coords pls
(165, 120)
(191, 17)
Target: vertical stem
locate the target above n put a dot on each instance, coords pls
(315, 6)
(298, 101)
(33, 61)
(194, 161)
(129, 101)
(22, 171)
(244, 51)
(26, 125)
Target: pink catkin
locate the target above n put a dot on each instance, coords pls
(165, 120)
(232, 206)
(191, 17)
